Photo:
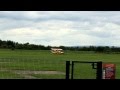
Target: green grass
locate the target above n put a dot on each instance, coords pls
(84, 71)
(44, 60)
(53, 76)
(9, 75)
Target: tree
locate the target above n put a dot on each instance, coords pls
(99, 49)
(107, 49)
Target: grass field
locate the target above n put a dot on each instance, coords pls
(42, 64)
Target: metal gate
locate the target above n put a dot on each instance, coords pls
(83, 70)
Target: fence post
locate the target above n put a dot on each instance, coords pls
(67, 69)
(99, 70)
(72, 70)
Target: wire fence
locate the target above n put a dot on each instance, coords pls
(26, 68)
(31, 69)
(86, 70)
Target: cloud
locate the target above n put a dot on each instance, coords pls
(61, 27)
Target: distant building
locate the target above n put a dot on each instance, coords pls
(57, 50)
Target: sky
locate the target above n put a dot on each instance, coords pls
(56, 28)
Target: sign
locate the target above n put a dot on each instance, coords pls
(109, 71)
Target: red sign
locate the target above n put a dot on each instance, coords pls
(109, 71)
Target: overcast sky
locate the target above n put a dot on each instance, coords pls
(68, 28)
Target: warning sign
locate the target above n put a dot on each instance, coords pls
(109, 71)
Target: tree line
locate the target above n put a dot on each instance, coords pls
(15, 45)
(97, 49)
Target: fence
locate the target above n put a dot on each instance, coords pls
(15, 68)
(92, 70)
(31, 69)
(83, 70)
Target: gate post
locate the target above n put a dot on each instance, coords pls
(72, 70)
(67, 69)
(99, 70)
